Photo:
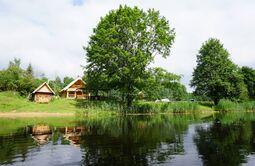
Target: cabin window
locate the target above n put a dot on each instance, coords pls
(71, 94)
(79, 93)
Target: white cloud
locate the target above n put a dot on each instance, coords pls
(50, 34)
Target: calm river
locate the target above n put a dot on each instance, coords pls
(220, 140)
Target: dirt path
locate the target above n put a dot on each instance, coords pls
(33, 114)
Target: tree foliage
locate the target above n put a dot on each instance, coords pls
(14, 78)
(96, 82)
(163, 84)
(56, 84)
(215, 75)
(123, 44)
(30, 70)
(67, 80)
(249, 80)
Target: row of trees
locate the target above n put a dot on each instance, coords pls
(14, 78)
(159, 83)
(217, 77)
(126, 41)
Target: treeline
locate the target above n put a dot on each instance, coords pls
(15, 78)
(158, 85)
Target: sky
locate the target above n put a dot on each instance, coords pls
(50, 34)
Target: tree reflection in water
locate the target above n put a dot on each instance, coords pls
(225, 144)
(133, 141)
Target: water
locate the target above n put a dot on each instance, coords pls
(222, 140)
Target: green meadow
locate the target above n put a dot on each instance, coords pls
(13, 102)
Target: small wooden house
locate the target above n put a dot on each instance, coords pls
(43, 94)
(74, 90)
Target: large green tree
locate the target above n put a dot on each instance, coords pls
(215, 75)
(123, 44)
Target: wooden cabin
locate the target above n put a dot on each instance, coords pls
(74, 90)
(43, 94)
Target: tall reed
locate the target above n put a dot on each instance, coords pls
(161, 107)
(227, 105)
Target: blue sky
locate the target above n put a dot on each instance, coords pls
(50, 34)
(78, 2)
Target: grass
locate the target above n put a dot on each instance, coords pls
(13, 102)
(144, 107)
(227, 105)
(109, 106)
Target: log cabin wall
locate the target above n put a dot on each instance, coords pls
(42, 97)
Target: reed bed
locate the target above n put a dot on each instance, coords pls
(227, 105)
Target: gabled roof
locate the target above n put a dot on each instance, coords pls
(71, 83)
(45, 83)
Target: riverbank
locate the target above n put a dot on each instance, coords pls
(32, 114)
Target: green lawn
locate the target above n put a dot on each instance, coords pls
(13, 102)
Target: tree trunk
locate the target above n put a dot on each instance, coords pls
(216, 101)
(129, 95)
(129, 101)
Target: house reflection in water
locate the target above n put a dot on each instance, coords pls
(41, 133)
(73, 134)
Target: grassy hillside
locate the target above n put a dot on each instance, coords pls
(13, 102)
